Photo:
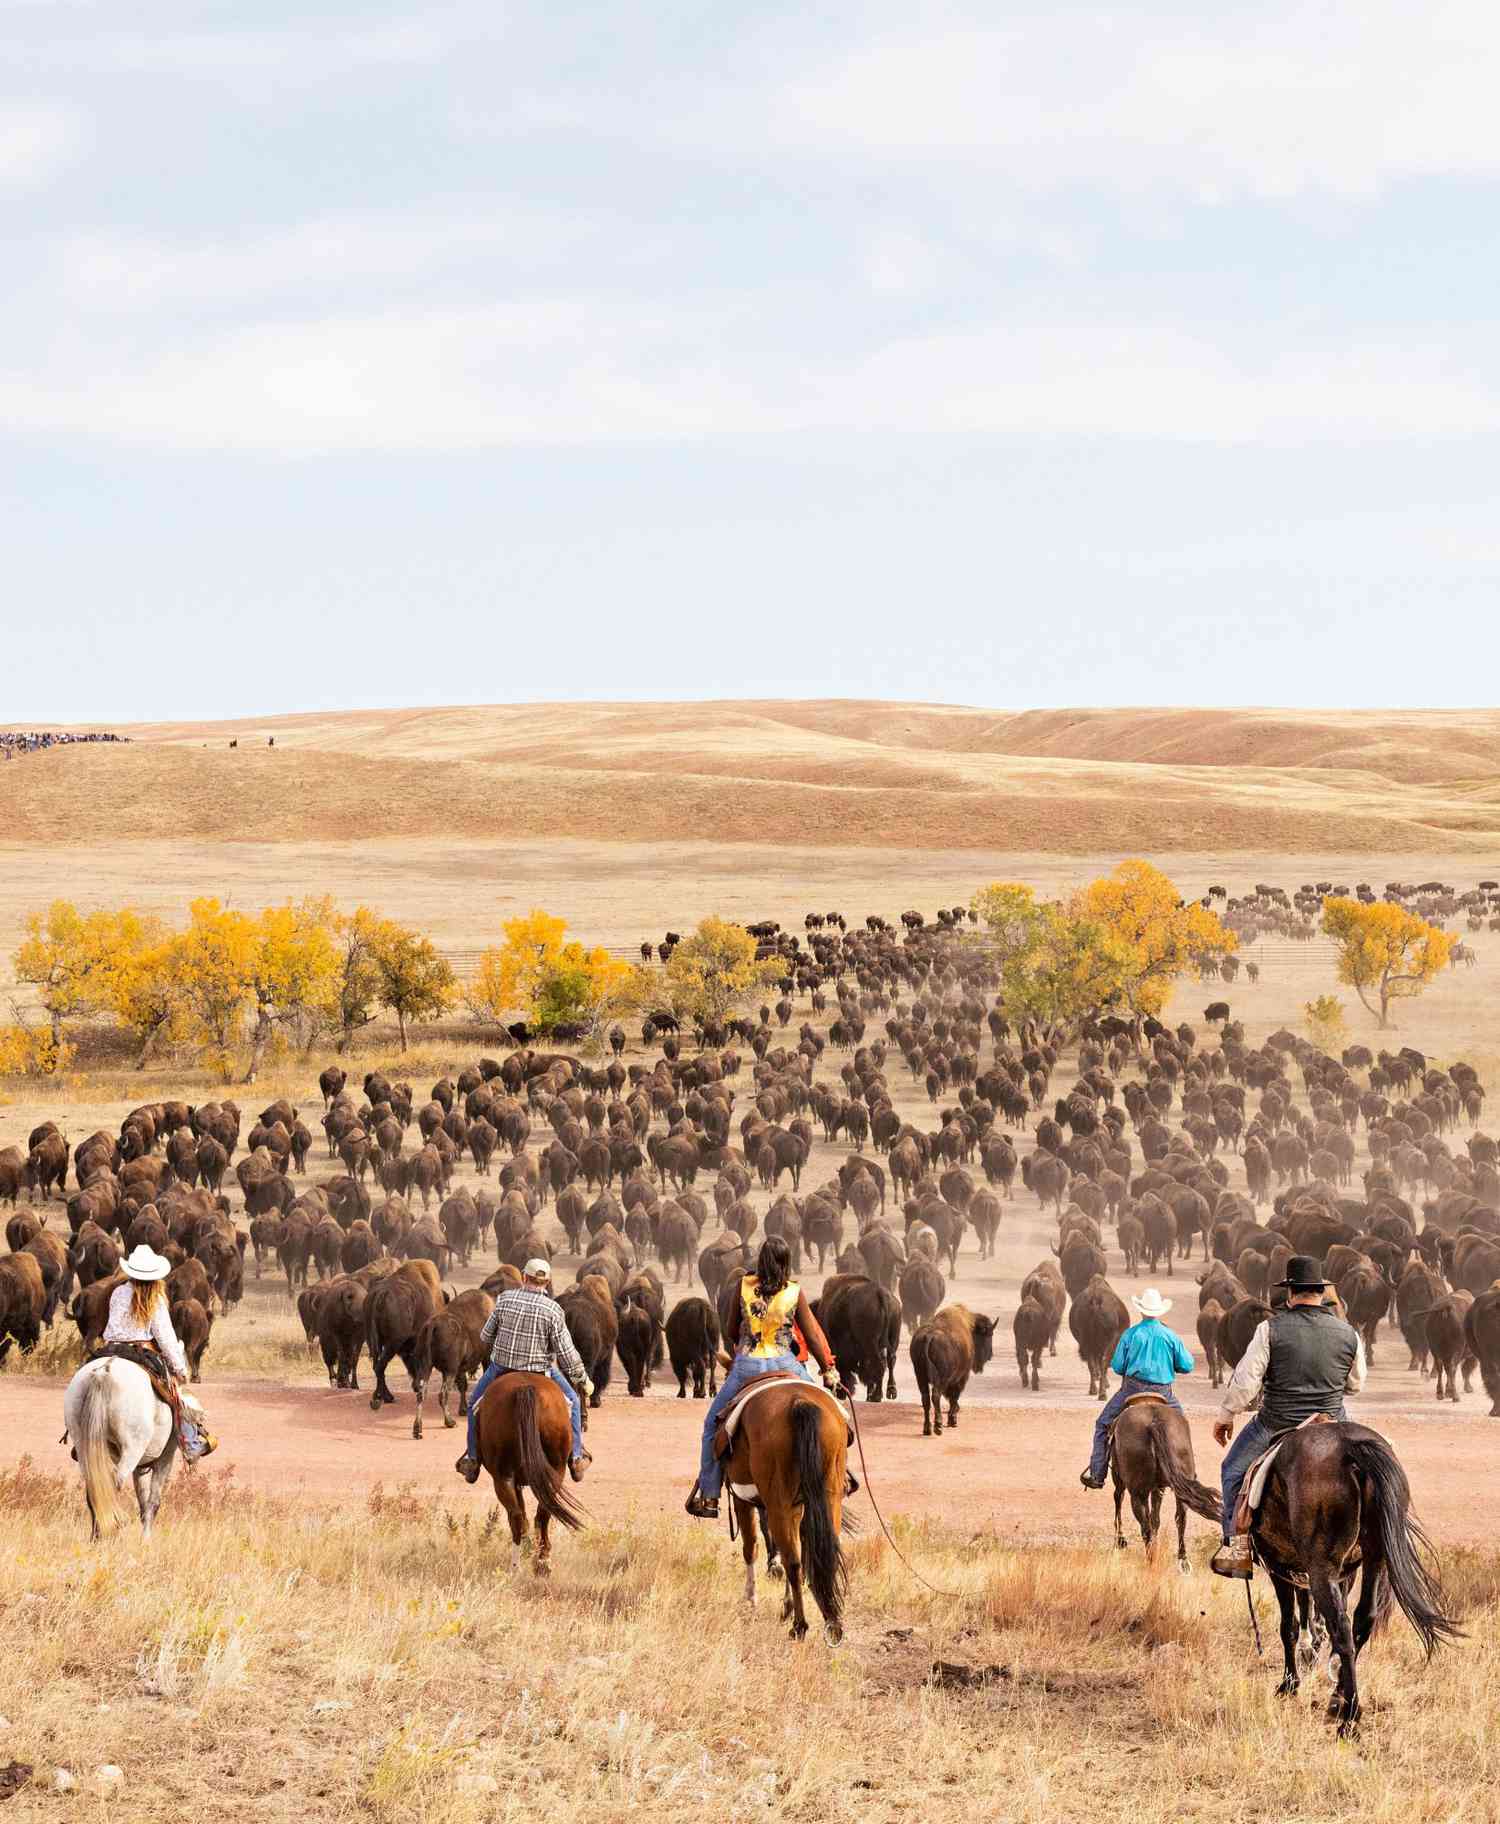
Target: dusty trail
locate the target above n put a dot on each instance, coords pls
(1010, 1467)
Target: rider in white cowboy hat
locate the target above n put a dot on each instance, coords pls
(1146, 1357)
(139, 1316)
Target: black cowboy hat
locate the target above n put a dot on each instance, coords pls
(1303, 1274)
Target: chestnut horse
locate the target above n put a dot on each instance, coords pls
(791, 1446)
(1151, 1451)
(525, 1439)
(1336, 1502)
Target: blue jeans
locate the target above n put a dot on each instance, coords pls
(743, 1370)
(1111, 1410)
(569, 1391)
(1256, 1437)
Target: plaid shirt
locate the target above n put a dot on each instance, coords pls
(527, 1330)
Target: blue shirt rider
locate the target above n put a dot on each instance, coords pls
(1146, 1358)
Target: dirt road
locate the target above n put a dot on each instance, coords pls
(1010, 1467)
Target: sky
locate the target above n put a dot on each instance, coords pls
(359, 355)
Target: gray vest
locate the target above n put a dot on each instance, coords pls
(1312, 1351)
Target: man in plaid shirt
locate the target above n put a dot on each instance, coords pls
(527, 1333)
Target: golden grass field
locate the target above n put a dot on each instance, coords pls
(377, 1659)
(361, 1649)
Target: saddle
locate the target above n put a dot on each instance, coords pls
(728, 1425)
(1159, 1399)
(155, 1370)
(1254, 1484)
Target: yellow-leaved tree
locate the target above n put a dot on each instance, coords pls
(714, 970)
(542, 976)
(1385, 953)
(59, 957)
(136, 983)
(293, 975)
(240, 977)
(1153, 933)
(1072, 968)
(411, 979)
(212, 966)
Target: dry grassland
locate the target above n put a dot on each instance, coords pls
(381, 1660)
(840, 774)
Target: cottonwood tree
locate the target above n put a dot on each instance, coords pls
(1385, 953)
(714, 971)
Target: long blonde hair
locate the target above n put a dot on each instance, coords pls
(143, 1296)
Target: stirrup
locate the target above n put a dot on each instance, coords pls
(701, 1507)
(468, 1467)
(1234, 1559)
(1088, 1480)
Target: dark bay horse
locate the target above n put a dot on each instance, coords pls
(791, 1445)
(1151, 1451)
(525, 1438)
(1337, 1503)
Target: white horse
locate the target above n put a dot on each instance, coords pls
(121, 1433)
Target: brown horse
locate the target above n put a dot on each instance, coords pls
(1151, 1451)
(525, 1439)
(1336, 1502)
(791, 1446)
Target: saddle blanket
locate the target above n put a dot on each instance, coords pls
(725, 1434)
(1255, 1478)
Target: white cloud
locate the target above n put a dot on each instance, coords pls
(37, 140)
(117, 270)
(1267, 101)
(579, 371)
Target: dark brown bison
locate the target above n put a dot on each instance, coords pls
(395, 1312)
(693, 1346)
(1448, 1345)
(1482, 1333)
(1032, 1327)
(448, 1345)
(921, 1287)
(23, 1299)
(1097, 1318)
(944, 1353)
(862, 1322)
(594, 1325)
(194, 1324)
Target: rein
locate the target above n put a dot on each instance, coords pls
(1254, 1620)
(880, 1517)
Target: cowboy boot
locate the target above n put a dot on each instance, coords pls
(700, 1506)
(579, 1464)
(1234, 1558)
(1090, 1480)
(467, 1468)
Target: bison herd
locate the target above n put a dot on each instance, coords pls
(674, 1164)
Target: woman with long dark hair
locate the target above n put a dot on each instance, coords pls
(763, 1330)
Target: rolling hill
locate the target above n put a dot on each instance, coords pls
(813, 774)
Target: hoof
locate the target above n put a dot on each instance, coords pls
(775, 1570)
(1287, 1688)
(542, 1568)
(833, 1634)
(448, 1423)
(1185, 1567)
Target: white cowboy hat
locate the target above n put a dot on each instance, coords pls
(537, 1269)
(1151, 1303)
(145, 1263)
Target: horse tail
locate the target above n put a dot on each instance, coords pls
(91, 1438)
(822, 1553)
(552, 1499)
(1194, 1495)
(1402, 1540)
